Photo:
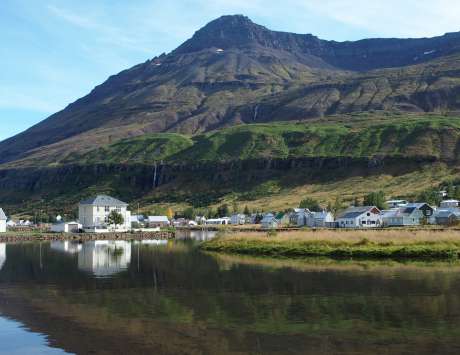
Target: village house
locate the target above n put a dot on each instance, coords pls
(396, 203)
(413, 214)
(3, 220)
(238, 219)
(269, 222)
(94, 214)
(322, 219)
(447, 204)
(299, 217)
(360, 217)
(158, 221)
(447, 217)
(66, 227)
(218, 221)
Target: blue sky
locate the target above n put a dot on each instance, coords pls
(55, 51)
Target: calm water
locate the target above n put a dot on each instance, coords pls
(169, 298)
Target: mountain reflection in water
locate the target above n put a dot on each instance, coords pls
(170, 298)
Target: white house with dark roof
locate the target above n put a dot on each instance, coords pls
(3, 220)
(94, 214)
(360, 217)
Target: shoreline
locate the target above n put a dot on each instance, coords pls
(363, 245)
(84, 237)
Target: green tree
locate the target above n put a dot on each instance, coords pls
(246, 210)
(189, 213)
(457, 193)
(450, 190)
(375, 199)
(356, 202)
(430, 196)
(235, 207)
(311, 204)
(116, 218)
(223, 210)
(337, 206)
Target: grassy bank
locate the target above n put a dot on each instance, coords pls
(381, 244)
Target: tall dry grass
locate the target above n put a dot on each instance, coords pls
(350, 237)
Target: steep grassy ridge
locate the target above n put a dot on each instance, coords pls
(428, 137)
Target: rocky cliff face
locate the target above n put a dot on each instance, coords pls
(233, 71)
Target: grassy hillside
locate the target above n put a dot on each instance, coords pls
(432, 136)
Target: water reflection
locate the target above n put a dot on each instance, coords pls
(171, 298)
(104, 258)
(2, 254)
(198, 236)
(69, 247)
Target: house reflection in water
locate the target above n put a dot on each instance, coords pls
(104, 258)
(66, 247)
(2, 254)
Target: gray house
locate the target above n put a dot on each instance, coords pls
(410, 215)
(447, 217)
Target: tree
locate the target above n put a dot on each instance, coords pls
(430, 196)
(375, 199)
(457, 193)
(246, 210)
(451, 190)
(223, 210)
(235, 207)
(311, 204)
(356, 201)
(189, 213)
(337, 206)
(169, 213)
(116, 218)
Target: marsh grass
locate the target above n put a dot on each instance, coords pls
(396, 244)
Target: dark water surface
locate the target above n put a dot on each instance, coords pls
(169, 298)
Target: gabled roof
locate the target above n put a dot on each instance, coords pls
(104, 200)
(2, 215)
(354, 212)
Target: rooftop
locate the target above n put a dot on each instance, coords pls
(2, 215)
(104, 200)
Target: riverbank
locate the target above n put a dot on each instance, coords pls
(83, 237)
(375, 244)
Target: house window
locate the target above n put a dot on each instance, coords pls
(107, 209)
(368, 214)
(372, 222)
(363, 222)
(119, 209)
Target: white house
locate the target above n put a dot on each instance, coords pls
(446, 204)
(2, 254)
(217, 221)
(3, 220)
(94, 214)
(158, 221)
(66, 227)
(269, 222)
(238, 219)
(360, 217)
(396, 203)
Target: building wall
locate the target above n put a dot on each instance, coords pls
(357, 222)
(2, 226)
(97, 216)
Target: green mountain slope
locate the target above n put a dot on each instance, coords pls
(423, 137)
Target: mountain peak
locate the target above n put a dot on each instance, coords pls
(225, 32)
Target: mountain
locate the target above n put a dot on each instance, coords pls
(233, 71)
(240, 96)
